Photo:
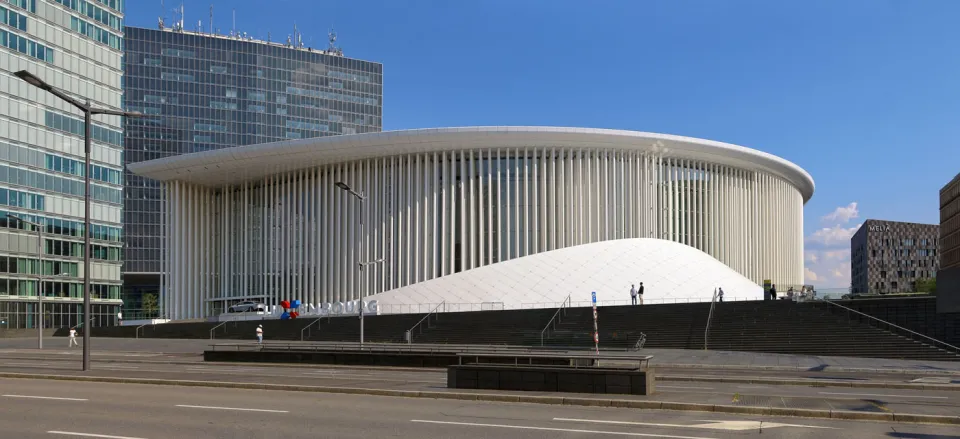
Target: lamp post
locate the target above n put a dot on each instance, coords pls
(360, 265)
(88, 111)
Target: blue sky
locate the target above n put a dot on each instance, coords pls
(863, 94)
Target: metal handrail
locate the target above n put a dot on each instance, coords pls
(555, 318)
(706, 330)
(137, 332)
(317, 320)
(426, 317)
(956, 349)
(215, 328)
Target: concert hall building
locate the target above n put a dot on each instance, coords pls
(476, 218)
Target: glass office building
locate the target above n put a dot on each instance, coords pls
(76, 46)
(208, 91)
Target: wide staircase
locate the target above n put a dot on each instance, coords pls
(759, 326)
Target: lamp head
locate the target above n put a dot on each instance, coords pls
(343, 186)
(32, 79)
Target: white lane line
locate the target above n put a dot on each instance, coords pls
(25, 364)
(565, 430)
(110, 366)
(230, 408)
(45, 397)
(709, 425)
(684, 387)
(106, 436)
(883, 396)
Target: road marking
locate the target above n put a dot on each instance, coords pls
(106, 436)
(883, 396)
(684, 387)
(710, 425)
(25, 364)
(45, 397)
(230, 408)
(110, 366)
(565, 430)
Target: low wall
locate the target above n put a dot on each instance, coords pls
(355, 358)
(551, 379)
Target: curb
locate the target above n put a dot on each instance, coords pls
(890, 371)
(809, 383)
(531, 399)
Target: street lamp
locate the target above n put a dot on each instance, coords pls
(360, 265)
(88, 111)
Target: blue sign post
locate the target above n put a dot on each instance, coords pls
(596, 333)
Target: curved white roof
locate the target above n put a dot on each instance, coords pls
(670, 272)
(236, 165)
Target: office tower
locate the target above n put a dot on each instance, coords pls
(208, 91)
(77, 47)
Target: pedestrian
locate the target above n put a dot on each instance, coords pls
(640, 293)
(633, 293)
(119, 318)
(720, 295)
(773, 292)
(259, 334)
(73, 338)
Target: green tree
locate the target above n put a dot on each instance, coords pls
(926, 286)
(149, 305)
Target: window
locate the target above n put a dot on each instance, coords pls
(26, 46)
(256, 108)
(151, 61)
(218, 69)
(183, 77)
(256, 95)
(223, 105)
(231, 93)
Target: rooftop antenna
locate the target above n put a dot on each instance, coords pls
(234, 30)
(332, 37)
(211, 18)
(163, 12)
(200, 26)
(183, 16)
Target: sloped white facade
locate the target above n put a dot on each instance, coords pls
(267, 222)
(670, 272)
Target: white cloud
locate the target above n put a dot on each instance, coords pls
(833, 236)
(809, 276)
(842, 214)
(811, 256)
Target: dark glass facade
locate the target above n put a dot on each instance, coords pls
(207, 91)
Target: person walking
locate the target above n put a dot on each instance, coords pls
(259, 334)
(73, 338)
(640, 293)
(773, 292)
(119, 318)
(720, 294)
(633, 293)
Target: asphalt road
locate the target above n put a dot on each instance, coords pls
(33, 409)
(792, 396)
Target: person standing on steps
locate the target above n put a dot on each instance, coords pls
(640, 293)
(720, 295)
(259, 334)
(73, 338)
(633, 293)
(773, 292)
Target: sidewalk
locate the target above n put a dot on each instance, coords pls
(669, 358)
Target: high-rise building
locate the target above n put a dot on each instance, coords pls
(948, 278)
(891, 256)
(75, 46)
(207, 91)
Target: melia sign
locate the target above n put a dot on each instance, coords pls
(879, 228)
